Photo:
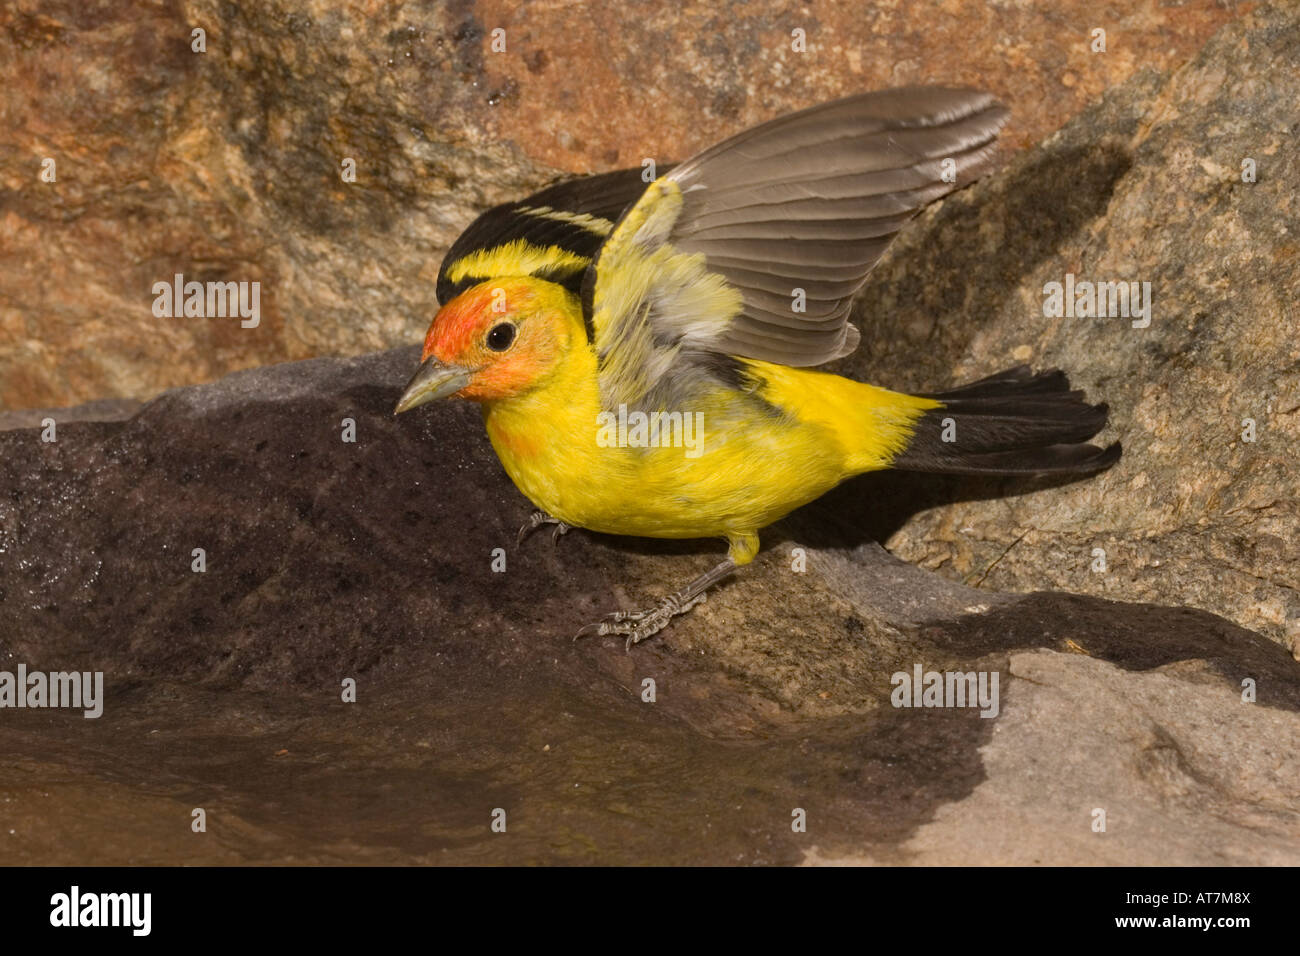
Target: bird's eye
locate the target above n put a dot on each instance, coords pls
(501, 337)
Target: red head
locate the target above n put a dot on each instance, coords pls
(494, 340)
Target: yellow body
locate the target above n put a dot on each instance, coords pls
(787, 440)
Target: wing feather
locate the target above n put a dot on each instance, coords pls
(755, 247)
(553, 234)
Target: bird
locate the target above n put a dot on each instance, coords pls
(644, 343)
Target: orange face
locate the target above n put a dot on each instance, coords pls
(505, 334)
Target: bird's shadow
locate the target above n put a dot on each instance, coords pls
(875, 506)
(863, 509)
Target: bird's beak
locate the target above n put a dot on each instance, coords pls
(433, 380)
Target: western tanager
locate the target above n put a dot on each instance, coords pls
(642, 350)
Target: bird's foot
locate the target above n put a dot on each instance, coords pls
(535, 521)
(638, 625)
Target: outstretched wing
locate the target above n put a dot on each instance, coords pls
(552, 235)
(755, 247)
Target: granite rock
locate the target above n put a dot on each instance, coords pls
(1146, 187)
(227, 165)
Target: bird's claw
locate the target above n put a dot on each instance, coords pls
(535, 521)
(638, 625)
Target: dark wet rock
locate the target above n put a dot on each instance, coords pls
(372, 560)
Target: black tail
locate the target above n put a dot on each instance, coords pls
(1012, 423)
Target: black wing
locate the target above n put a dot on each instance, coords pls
(553, 234)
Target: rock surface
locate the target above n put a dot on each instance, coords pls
(226, 165)
(1145, 187)
(372, 560)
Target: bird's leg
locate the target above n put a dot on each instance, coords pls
(638, 625)
(535, 521)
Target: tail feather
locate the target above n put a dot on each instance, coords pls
(1013, 423)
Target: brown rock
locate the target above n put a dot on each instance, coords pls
(226, 165)
(1145, 187)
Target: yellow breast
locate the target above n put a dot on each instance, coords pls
(730, 464)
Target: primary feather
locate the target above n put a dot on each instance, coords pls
(785, 220)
